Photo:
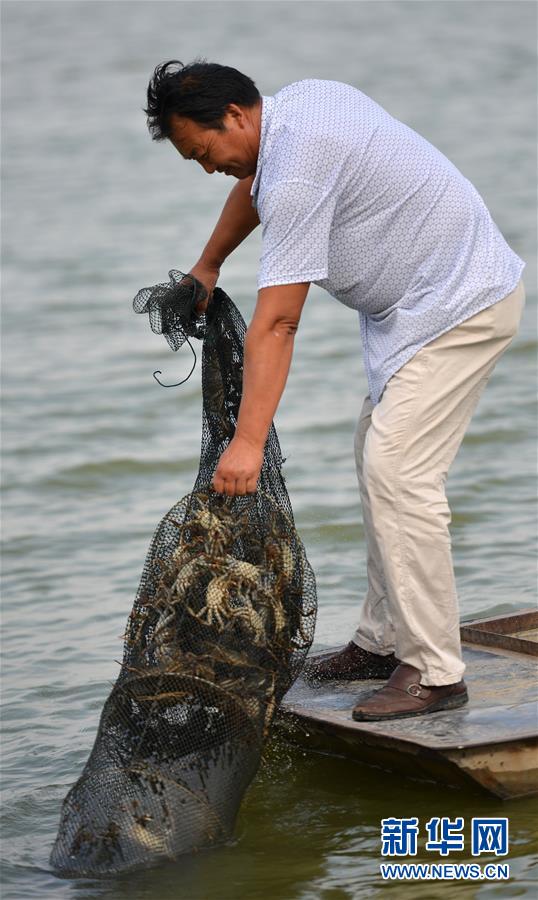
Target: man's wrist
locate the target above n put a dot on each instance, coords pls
(255, 441)
(209, 261)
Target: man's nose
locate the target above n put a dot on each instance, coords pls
(208, 167)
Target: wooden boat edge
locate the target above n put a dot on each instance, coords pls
(483, 766)
(506, 766)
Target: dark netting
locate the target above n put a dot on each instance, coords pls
(219, 630)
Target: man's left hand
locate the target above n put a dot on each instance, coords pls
(238, 469)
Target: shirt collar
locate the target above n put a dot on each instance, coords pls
(268, 105)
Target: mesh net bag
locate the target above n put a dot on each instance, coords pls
(220, 627)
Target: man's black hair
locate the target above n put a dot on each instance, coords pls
(200, 91)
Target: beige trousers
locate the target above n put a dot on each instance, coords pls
(404, 447)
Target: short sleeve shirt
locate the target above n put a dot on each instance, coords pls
(357, 202)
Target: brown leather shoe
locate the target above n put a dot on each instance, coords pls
(350, 664)
(404, 696)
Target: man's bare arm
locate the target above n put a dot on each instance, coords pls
(268, 352)
(237, 220)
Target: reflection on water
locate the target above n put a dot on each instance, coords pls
(95, 452)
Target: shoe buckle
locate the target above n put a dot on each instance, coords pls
(414, 689)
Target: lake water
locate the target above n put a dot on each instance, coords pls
(94, 452)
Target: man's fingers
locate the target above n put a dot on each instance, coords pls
(207, 276)
(218, 484)
(229, 488)
(201, 306)
(240, 486)
(238, 470)
(236, 488)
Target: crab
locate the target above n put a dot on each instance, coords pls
(239, 581)
(280, 559)
(202, 579)
(136, 626)
(204, 532)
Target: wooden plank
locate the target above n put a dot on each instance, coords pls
(492, 741)
(508, 622)
(502, 707)
(512, 632)
(506, 770)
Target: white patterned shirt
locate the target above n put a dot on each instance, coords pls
(355, 201)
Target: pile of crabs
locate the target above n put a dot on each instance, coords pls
(227, 603)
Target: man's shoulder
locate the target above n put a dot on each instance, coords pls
(311, 129)
(314, 87)
(311, 126)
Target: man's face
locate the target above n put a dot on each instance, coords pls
(233, 151)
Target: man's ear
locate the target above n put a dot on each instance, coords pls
(237, 113)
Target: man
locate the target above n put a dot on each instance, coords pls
(358, 203)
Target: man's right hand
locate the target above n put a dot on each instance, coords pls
(208, 276)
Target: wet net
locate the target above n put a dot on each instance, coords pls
(220, 627)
